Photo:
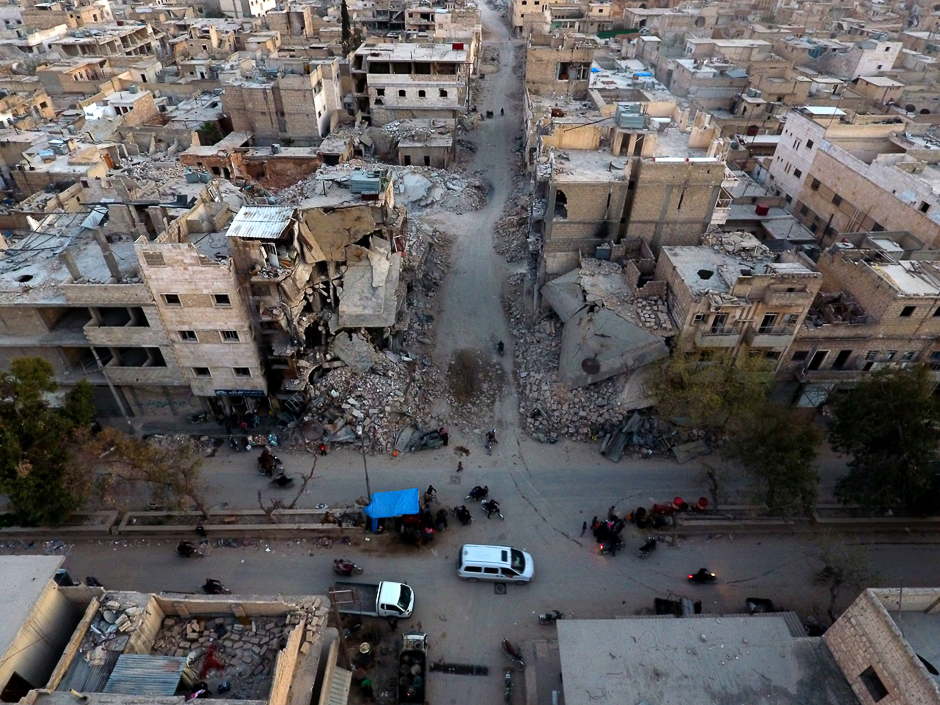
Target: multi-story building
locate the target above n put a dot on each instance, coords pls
(295, 108)
(736, 296)
(396, 81)
(113, 40)
(559, 64)
(879, 306)
(868, 173)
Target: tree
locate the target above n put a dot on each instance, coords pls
(37, 443)
(711, 390)
(776, 446)
(844, 568)
(888, 425)
(278, 503)
(169, 470)
(210, 133)
(346, 29)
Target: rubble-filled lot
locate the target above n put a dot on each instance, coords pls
(422, 189)
(511, 239)
(239, 652)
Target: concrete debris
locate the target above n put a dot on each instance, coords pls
(512, 229)
(421, 189)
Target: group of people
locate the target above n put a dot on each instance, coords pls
(242, 421)
(422, 531)
(267, 462)
(608, 530)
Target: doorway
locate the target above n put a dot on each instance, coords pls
(841, 359)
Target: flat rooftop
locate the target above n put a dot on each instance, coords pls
(728, 660)
(412, 52)
(587, 165)
(911, 278)
(22, 581)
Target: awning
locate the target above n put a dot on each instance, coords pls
(142, 674)
(393, 504)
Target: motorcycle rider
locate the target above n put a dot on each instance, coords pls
(490, 506)
(491, 436)
(185, 549)
(479, 492)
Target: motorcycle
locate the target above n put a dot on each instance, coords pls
(492, 507)
(507, 694)
(283, 480)
(187, 549)
(513, 654)
(269, 463)
(611, 545)
(490, 440)
(550, 617)
(346, 568)
(463, 515)
(647, 548)
(702, 577)
(215, 587)
(479, 493)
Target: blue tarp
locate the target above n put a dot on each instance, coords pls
(392, 504)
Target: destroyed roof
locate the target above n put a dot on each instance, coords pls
(261, 222)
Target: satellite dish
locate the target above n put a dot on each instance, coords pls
(591, 365)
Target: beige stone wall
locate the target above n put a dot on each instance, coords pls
(196, 281)
(865, 637)
(673, 202)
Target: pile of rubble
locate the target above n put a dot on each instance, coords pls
(237, 652)
(548, 408)
(653, 314)
(512, 229)
(420, 188)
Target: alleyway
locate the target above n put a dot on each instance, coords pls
(471, 315)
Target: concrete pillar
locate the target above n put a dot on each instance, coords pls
(108, 255)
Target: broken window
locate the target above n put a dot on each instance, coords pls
(909, 355)
(222, 300)
(718, 322)
(188, 336)
(229, 336)
(401, 93)
(172, 300)
(908, 311)
(422, 94)
(797, 173)
(809, 144)
(891, 354)
(768, 323)
(380, 91)
(836, 199)
(815, 185)
(443, 93)
(924, 206)
(201, 372)
(800, 355)
(561, 204)
(873, 683)
(241, 371)
(562, 73)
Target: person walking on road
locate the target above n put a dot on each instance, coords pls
(583, 527)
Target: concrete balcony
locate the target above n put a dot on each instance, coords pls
(722, 338)
(146, 376)
(125, 336)
(769, 338)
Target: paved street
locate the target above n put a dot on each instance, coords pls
(547, 491)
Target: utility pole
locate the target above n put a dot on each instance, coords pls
(365, 466)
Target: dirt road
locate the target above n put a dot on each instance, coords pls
(471, 315)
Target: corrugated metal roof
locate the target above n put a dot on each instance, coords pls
(142, 674)
(260, 222)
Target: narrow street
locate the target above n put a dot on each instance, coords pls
(471, 314)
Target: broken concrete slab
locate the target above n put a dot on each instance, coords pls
(364, 301)
(693, 449)
(354, 350)
(335, 229)
(600, 344)
(565, 295)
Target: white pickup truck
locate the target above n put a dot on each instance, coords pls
(385, 599)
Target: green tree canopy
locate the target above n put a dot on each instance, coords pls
(36, 443)
(776, 446)
(888, 425)
(711, 390)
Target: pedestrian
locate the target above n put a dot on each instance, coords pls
(583, 528)
(442, 432)
(323, 449)
(594, 524)
(201, 530)
(610, 512)
(502, 111)
(459, 466)
(431, 492)
(393, 624)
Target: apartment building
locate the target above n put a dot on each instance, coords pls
(559, 64)
(879, 306)
(44, 15)
(846, 174)
(296, 108)
(112, 40)
(735, 296)
(399, 81)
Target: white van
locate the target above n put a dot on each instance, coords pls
(495, 563)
